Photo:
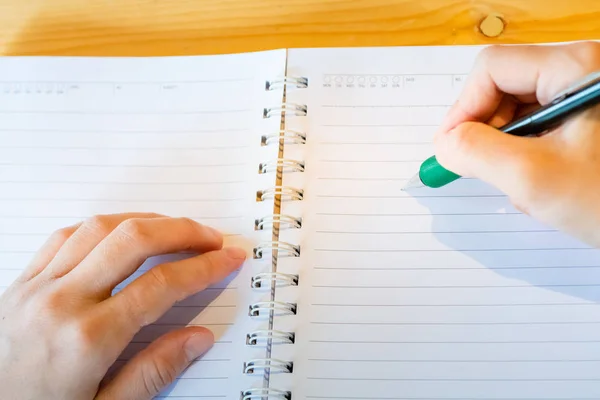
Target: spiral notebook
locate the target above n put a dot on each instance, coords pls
(353, 289)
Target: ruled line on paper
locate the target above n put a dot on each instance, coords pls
(524, 286)
(430, 232)
(428, 74)
(125, 165)
(126, 200)
(135, 149)
(412, 214)
(128, 82)
(442, 196)
(369, 161)
(90, 113)
(125, 183)
(457, 305)
(452, 250)
(48, 233)
(409, 106)
(88, 216)
(455, 342)
(441, 398)
(125, 131)
(453, 268)
(375, 179)
(353, 378)
(373, 143)
(374, 125)
(456, 323)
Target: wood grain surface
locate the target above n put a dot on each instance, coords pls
(175, 27)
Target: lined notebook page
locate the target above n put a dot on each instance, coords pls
(176, 136)
(445, 294)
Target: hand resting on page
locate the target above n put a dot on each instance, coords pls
(61, 330)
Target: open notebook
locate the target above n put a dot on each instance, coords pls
(374, 293)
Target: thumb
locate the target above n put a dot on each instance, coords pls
(478, 150)
(158, 365)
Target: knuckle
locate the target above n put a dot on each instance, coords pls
(54, 299)
(587, 52)
(135, 230)
(158, 277)
(487, 54)
(61, 235)
(157, 374)
(82, 335)
(133, 302)
(580, 59)
(463, 137)
(98, 223)
(131, 308)
(190, 222)
(212, 262)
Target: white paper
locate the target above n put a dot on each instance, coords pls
(179, 136)
(433, 294)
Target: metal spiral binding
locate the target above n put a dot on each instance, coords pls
(284, 221)
(299, 110)
(299, 82)
(287, 136)
(264, 278)
(284, 337)
(265, 394)
(285, 308)
(271, 280)
(291, 250)
(286, 164)
(286, 192)
(268, 364)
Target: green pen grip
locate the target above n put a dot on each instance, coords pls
(433, 175)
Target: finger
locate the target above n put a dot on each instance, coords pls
(505, 112)
(125, 249)
(478, 150)
(84, 239)
(47, 252)
(148, 297)
(529, 73)
(157, 366)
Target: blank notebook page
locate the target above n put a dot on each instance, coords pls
(433, 294)
(175, 136)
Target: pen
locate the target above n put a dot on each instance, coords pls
(580, 96)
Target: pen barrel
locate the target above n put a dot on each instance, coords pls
(433, 175)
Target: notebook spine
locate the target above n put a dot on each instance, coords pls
(275, 248)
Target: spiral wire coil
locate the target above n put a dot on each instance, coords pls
(274, 279)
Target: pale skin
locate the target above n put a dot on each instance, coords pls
(61, 330)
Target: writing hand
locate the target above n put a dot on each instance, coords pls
(61, 330)
(554, 178)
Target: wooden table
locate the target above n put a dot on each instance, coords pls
(175, 27)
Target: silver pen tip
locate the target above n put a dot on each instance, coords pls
(414, 183)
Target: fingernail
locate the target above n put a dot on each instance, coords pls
(235, 253)
(198, 344)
